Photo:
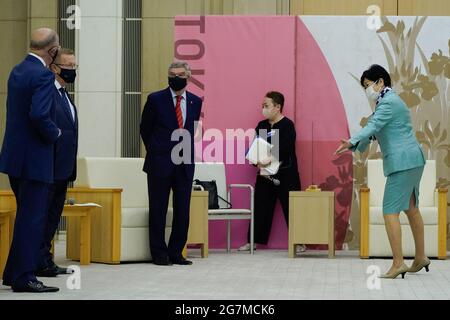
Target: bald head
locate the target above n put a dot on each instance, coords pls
(45, 43)
(43, 38)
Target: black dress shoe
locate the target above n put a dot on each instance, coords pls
(47, 272)
(35, 287)
(162, 261)
(60, 270)
(182, 261)
(53, 271)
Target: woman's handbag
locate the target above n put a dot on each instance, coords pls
(213, 196)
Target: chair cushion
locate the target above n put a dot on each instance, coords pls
(376, 182)
(135, 244)
(139, 217)
(379, 242)
(124, 173)
(429, 215)
(135, 217)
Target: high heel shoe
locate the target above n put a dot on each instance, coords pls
(416, 267)
(394, 274)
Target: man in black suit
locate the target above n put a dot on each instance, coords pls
(167, 112)
(27, 157)
(64, 67)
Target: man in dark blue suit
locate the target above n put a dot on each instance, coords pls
(64, 68)
(27, 157)
(167, 112)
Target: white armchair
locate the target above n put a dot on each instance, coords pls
(121, 231)
(433, 207)
(208, 171)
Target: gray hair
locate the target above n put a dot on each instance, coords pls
(181, 64)
(37, 43)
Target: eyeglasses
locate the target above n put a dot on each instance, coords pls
(68, 66)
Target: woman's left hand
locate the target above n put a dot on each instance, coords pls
(345, 145)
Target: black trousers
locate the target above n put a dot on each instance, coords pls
(32, 203)
(158, 195)
(56, 199)
(266, 195)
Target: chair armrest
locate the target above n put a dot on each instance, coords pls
(437, 195)
(243, 186)
(442, 222)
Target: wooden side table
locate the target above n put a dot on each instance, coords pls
(198, 222)
(5, 237)
(83, 211)
(311, 219)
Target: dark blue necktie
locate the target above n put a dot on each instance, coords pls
(66, 102)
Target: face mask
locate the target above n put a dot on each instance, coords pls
(68, 75)
(371, 93)
(268, 114)
(177, 83)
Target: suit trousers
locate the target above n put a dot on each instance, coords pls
(56, 198)
(159, 192)
(32, 205)
(266, 195)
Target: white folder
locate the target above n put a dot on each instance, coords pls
(261, 150)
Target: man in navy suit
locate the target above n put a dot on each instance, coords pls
(27, 157)
(64, 67)
(167, 112)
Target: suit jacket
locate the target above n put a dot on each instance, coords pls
(67, 145)
(28, 146)
(158, 123)
(391, 125)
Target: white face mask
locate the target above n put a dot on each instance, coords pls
(267, 113)
(371, 93)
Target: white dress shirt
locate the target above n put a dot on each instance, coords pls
(72, 109)
(40, 59)
(183, 103)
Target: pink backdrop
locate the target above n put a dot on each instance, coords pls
(235, 61)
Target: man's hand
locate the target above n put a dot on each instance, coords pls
(345, 145)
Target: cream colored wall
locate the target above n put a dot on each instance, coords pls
(13, 37)
(423, 7)
(98, 92)
(42, 13)
(347, 7)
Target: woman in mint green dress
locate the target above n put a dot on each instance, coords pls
(403, 163)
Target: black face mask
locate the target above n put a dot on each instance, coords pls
(177, 83)
(68, 75)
